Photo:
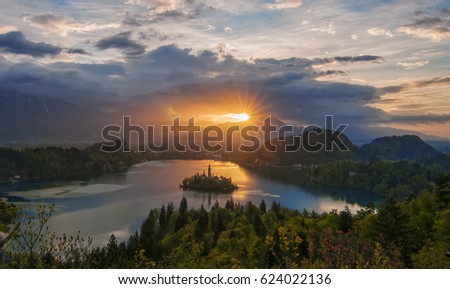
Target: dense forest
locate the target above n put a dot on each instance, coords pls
(400, 178)
(56, 163)
(409, 234)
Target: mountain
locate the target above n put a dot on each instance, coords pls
(283, 154)
(361, 135)
(39, 120)
(406, 147)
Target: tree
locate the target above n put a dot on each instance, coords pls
(32, 245)
(150, 239)
(187, 255)
(183, 205)
(30, 235)
(183, 217)
(8, 213)
(170, 211)
(262, 206)
(229, 205)
(162, 218)
(345, 220)
(202, 223)
(276, 208)
(392, 227)
(442, 190)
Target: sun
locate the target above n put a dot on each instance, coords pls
(229, 117)
(239, 117)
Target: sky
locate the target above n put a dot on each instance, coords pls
(376, 65)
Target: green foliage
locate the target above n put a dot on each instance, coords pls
(63, 163)
(409, 147)
(8, 212)
(401, 178)
(203, 182)
(32, 245)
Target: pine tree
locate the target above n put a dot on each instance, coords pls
(183, 206)
(162, 218)
(392, 226)
(262, 207)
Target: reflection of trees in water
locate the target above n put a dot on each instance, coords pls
(299, 178)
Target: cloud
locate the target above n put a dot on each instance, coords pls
(122, 42)
(179, 10)
(284, 4)
(77, 83)
(412, 65)
(169, 76)
(131, 21)
(63, 25)
(150, 34)
(330, 73)
(361, 58)
(228, 29)
(77, 51)
(7, 29)
(354, 37)
(375, 31)
(324, 29)
(16, 43)
(432, 82)
(181, 79)
(433, 28)
(436, 81)
(420, 118)
(188, 9)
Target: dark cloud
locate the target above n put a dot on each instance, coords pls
(170, 76)
(284, 79)
(97, 70)
(151, 33)
(288, 87)
(361, 58)
(77, 51)
(330, 73)
(77, 83)
(48, 20)
(131, 21)
(122, 42)
(15, 42)
(391, 89)
(416, 84)
(433, 81)
(426, 22)
(435, 28)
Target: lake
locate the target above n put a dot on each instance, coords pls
(118, 203)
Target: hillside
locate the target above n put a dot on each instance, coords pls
(406, 147)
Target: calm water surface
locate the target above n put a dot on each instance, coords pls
(118, 203)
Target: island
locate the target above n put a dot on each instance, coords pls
(208, 182)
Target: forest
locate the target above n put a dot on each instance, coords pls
(401, 234)
(57, 163)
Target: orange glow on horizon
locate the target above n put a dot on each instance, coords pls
(229, 117)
